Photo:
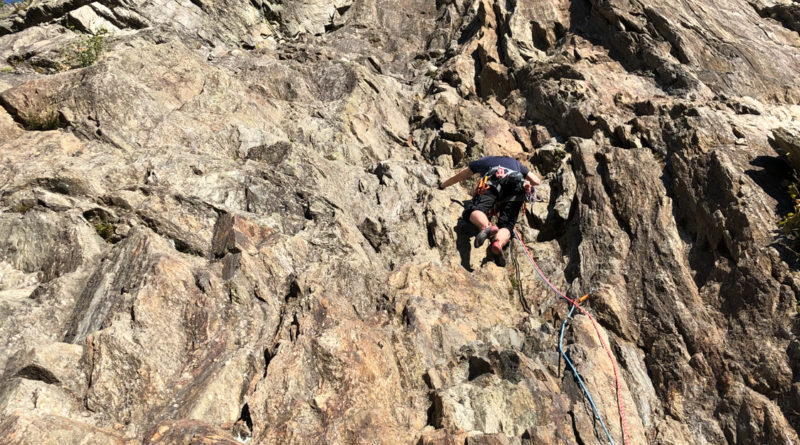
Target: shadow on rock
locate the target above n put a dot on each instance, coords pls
(773, 176)
(464, 232)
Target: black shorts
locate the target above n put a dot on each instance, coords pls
(507, 210)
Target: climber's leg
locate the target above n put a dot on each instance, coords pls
(479, 219)
(501, 239)
(478, 209)
(506, 220)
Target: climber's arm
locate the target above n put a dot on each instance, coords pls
(533, 179)
(458, 177)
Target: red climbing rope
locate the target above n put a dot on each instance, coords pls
(625, 438)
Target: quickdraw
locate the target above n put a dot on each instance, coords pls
(482, 187)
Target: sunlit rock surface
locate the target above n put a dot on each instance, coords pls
(224, 225)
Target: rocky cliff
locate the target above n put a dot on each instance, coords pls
(219, 221)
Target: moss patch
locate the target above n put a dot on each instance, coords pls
(102, 223)
(105, 230)
(23, 206)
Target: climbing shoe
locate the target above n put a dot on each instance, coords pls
(487, 232)
(497, 251)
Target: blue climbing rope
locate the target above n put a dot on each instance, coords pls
(578, 376)
(576, 304)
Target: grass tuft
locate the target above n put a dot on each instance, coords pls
(104, 229)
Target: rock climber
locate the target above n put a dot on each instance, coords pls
(504, 186)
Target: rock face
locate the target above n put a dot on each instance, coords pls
(220, 223)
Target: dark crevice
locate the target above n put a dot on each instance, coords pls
(268, 356)
(723, 251)
(385, 303)
(788, 15)
(575, 431)
(434, 412)
(180, 245)
(343, 9)
(183, 247)
(198, 204)
(773, 174)
(40, 62)
(199, 4)
(508, 364)
(539, 34)
(307, 214)
(50, 120)
(478, 367)
(470, 31)
(33, 372)
(243, 427)
(294, 291)
(568, 245)
(245, 417)
(374, 232)
(408, 316)
(62, 186)
(478, 68)
(330, 27)
(701, 258)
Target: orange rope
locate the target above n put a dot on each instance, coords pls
(626, 437)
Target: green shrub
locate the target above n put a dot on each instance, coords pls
(89, 50)
(791, 222)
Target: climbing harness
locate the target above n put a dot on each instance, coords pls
(502, 179)
(578, 376)
(576, 304)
